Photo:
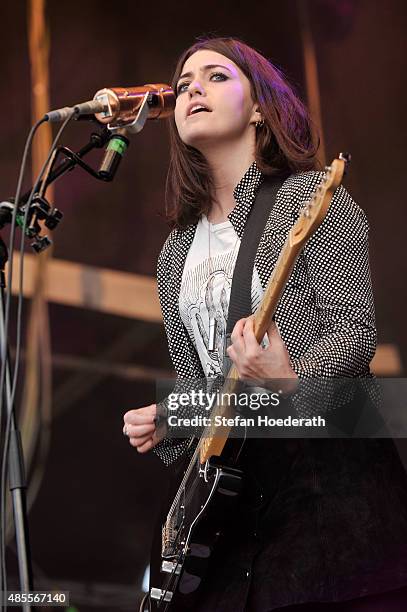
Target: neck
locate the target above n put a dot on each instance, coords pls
(228, 164)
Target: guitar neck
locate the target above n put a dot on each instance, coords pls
(211, 444)
(275, 287)
(311, 216)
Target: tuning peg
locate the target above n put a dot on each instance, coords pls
(347, 157)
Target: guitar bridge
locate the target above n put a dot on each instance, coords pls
(171, 567)
(159, 594)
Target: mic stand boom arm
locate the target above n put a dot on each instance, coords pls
(40, 208)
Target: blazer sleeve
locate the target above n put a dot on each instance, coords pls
(183, 356)
(337, 261)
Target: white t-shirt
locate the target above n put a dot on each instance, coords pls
(205, 289)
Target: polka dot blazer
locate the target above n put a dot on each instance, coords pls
(326, 313)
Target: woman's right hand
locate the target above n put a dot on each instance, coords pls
(140, 427)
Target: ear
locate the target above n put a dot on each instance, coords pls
(256, 114)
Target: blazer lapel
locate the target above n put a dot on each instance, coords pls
(179, 254)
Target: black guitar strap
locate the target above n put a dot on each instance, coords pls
(240, 303)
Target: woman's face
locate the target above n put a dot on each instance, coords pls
(213, 83)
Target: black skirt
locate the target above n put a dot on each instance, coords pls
(318, 521)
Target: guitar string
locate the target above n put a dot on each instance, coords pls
(166, 589)
(178, 557)
(185, 477)
(205, 434)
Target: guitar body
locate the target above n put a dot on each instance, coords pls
(204, 501)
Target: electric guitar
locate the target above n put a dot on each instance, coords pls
(211, 484)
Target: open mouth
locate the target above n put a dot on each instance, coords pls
(198, 108)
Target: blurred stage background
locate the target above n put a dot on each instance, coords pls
(93, 498)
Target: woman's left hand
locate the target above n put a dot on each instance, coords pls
(262, 364)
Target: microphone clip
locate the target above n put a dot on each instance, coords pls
(137, 125)
(40, 210)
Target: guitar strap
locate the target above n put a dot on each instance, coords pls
(240, 303)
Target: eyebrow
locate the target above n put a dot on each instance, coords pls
(203, 69)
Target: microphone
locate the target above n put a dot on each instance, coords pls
(124, 103)
(119, 106)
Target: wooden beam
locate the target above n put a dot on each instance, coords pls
(131, 295)
(110, 291)
(387, 361)
(311, 74)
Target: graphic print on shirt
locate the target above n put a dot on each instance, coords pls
(205, 294)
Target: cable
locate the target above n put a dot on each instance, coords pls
(19, 319)
(21, 276)
(11, 246)
(7, 310)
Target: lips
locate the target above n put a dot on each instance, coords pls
(194, 109)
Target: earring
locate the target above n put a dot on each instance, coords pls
(259, 123)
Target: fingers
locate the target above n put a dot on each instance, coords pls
(243, 339)
(273, 332)
(237, 346)
(249, 338)
(148, 445)
(276, 343)
(141, 416)
(244, 350)
(140, 428)
(243, 332)
(142, 445)
(145, 443)
(237, 333)
(135, 431)
(252, 361)
(138, 441)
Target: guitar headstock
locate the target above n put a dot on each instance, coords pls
(315, 209)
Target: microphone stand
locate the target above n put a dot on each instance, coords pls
(17, 481)
(40, 209)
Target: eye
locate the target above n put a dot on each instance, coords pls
(218, 76)
(181, 87)
(215, 76)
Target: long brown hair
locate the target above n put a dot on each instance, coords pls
(284, 144)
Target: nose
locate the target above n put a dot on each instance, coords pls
(195, 87)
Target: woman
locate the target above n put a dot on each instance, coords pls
(320, 533)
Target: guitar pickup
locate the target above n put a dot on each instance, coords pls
(171, 567)
(161, 595)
